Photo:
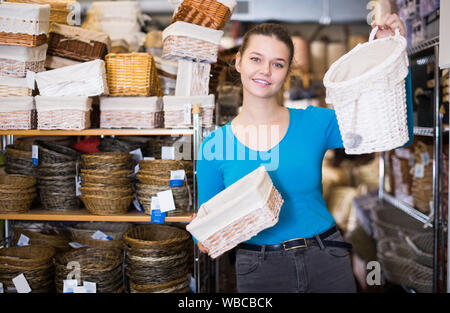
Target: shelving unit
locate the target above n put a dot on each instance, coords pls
(434, 219)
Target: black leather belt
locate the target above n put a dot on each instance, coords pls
(300, 243)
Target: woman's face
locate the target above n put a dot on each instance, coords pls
(263, 66)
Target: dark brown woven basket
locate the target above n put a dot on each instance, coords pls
(26, 256)
(62, 46)
(44, 238)
(177, 286)
(20, 166)
(206, 13)
(86, 230)
(59, 200)
(155, 237)
(19, 151)
(57, 169)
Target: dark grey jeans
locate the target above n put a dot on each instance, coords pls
(312, 269)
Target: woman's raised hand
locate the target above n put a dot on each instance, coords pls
(202, 248)
(387, 25)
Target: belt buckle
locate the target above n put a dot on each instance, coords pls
(295, 247)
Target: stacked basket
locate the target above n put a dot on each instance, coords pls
(56, 174)
(59, 9)
(156, 258)
(83, 232)
(100, 266)
(154, 176)
(17, 193)
(45, 237)
(34, 262)
(106, 186)
(422, 180)
(19, 160)
(23, 37)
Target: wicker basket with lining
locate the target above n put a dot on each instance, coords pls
(15, 87)
(192, 42)
(59, 9)
(366, 86)
(192, 79)
(17, 113)
(16, 60)
(132, 74)
(131, 112)
(178, 111)
(237, 213)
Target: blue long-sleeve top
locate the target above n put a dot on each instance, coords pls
(294, 165)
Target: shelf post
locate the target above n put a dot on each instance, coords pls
(196, 144)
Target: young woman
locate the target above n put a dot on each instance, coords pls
(304, 251)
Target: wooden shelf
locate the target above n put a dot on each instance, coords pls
(99, 132)
(82, 215)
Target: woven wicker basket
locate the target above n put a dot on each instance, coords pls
(59, 9)
(78, 43)
(178, 111)
(367, 89)
(192, 79)
(55, 153)
(177, 286)
(17, 113)
(192, 42)
(13, 91)
(91, 160)
(210, 13)
(132, 74)
(44, 238)
(99, 205)
(16, 60)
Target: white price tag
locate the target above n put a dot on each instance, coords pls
(419, 170)
(149, 158)
(76, 245)
(138, 206)
(77, 186)
(177, 175)
(187, 113)
(90, 287)
(1, 288)
(35, 154)
(425, 158)
(79, 289)
(23, 241)
(69, 285)
(136, 169)
(99, 235)
(137, 154)
(167, 153)
(165, 199)
(31, 77)
(21, 284)
(154, 204)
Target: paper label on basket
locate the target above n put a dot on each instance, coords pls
(23, 240)
(31, 77)
(137, 154)
(149, 158)
(1, 288)
(77, 186)
(99, 235)
(138, 205)
(90, 287)
(167, 153)
(166, 202)
(187, 113)
(21, 284)
(76, 245)
(35, 154)
(79, 289)
(177, 178)
(425, 158)
(69, 285)
(419, 170)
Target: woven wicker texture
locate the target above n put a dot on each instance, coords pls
(50, 238)
(20, 39)
(156, 256)
(177, 119)
(82, 233)
(11, 91)
(183, 47)
(367, 89)
(59, 9)
(17, 193)
(64, 119)
(102, 266)
(34, 261)
(132, 74)
(15, 68)
(131, 119)
(422, 178)
(209, 13)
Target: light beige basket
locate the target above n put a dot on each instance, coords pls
(16, 60)
(131, 112)
(70, 113)
(178, 111)
(192, 42)
(367, 89)
(53, 62)
(17, 113)
(237, 213)
(15, 87)
(192, 78)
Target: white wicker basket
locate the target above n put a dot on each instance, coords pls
(178, 111)
(192, 42)
(85, 79)
(70, 113)
(192, 78)
(16, 86)
(367, 89)
(237, 213)
(131, 112)
(17, 113)
(24, 18)
(16, 60)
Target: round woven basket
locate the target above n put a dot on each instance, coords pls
(86, 230)
(44, 238)
(177, 286)
(161, 165)
(57, 169)
(153, 180)
(107, 206)
(19, 151)
(155, 237)
(16, 182)
(58, 200)
(107, 192)
(102, 266)
(111, 180)
(109, 173)
(19, 166)
(92, 159)
(54, 153)
(27, 256)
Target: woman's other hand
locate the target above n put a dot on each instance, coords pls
(202, 248)
(387, 25)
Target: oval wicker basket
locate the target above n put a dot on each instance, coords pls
(107, 206)
(19, 151)
(161, 165)
(111, 180)
(106, 157)
(44, 238)
(16, 181)
(177, 286)
(155, 237)
(86, 230)
(27, 256)
(107, 192)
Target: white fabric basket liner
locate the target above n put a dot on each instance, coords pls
(15, 104)
(81, 34)
(23, 18)
(193, 31)
(14, 82)
(45, 104)
(167, 66)
(138, 104)
(175, 103)
(84, 79)
(246, 195)
(25, 54)
(357, 69)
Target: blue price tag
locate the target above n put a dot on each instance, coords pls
(176, 183)
(158, 217)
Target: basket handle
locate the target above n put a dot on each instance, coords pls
(375, 30)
